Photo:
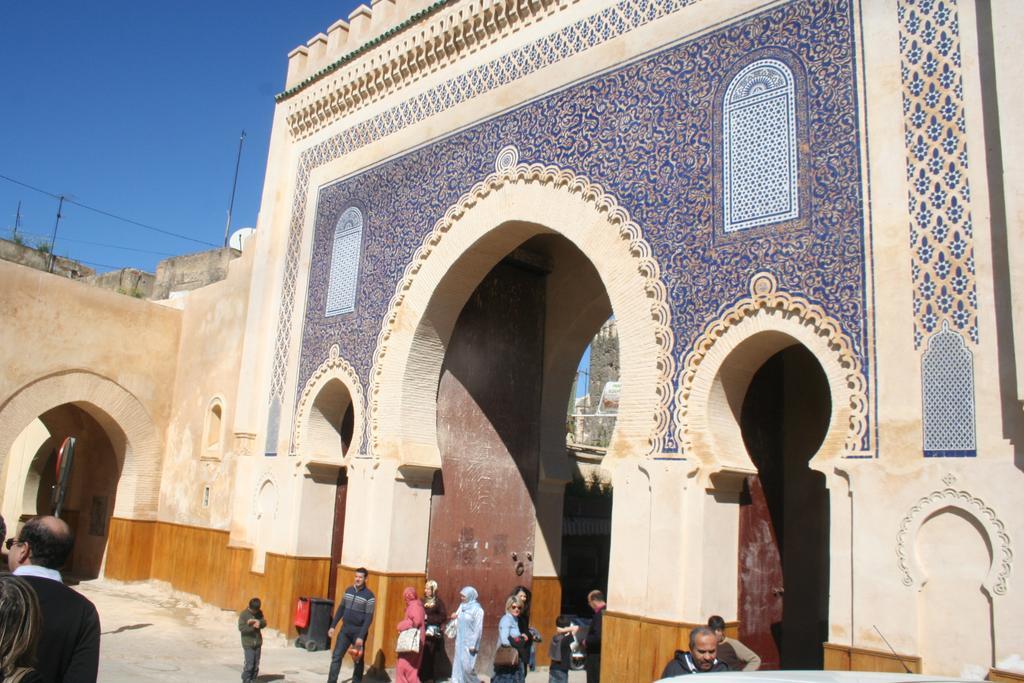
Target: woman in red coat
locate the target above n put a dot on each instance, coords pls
(407, 670)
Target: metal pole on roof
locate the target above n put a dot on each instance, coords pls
(234, 184)
(53, 237)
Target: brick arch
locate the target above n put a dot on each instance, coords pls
(510, 206)
(722, 362)
(122, 416)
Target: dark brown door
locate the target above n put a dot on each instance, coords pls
(488, 405)
(338, 533)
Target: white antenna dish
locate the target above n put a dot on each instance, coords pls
(239, 238)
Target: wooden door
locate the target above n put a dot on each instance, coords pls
(338, 532)
(488, 403)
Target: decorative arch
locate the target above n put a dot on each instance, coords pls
(936, 502)
(122, 416)
(760, 150)
(334, 368)
(755, 328)
(214, 430)
(508, 207)
(346, 253)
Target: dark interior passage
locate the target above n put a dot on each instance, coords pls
(784, 515)
(91, 490)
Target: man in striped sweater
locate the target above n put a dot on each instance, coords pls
(355, 614)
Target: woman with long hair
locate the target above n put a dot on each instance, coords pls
(20, 625)
(435, 665)
(470, 619)
(525, 597)
(407, 669)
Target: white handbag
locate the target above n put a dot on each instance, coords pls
(408, 640)
(451, 629)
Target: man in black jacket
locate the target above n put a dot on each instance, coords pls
(356, 613)
(69, 646)
(701, 658)
(592, 643)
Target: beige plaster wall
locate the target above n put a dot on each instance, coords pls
(66, 341)
(209, 359)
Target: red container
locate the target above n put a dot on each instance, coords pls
(302, 613)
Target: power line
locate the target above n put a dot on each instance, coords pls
(106, 213)
(100, 265)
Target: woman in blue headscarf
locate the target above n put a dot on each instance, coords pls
(470, 620)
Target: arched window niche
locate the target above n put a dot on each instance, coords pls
(213, 430)
(760, 151)
(345, 256)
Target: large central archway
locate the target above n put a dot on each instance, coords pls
(576, 258)
(515, 204)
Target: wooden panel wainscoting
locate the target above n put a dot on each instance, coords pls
(840, 657)
(1004, 676)
(130, 549)
(199, 561)
(546, 605)
(389, 609)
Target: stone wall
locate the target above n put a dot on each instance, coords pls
(40, 260)
(191, 271)
(130, 281)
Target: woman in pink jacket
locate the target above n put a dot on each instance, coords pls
(408, 668)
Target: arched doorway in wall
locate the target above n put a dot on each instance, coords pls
(784, 512)
(92, 489)
(504, 385)
(326, 435)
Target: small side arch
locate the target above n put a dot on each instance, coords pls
(995, 582)
(335, 382)
(718, 369)
(122, 416)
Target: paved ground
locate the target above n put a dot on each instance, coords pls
(152, 633)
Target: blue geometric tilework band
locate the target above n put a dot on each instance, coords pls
(941, 232)
(939, 195)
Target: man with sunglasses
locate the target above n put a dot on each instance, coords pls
(69, 646)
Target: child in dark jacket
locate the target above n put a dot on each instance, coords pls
(251, 624)
(561, 650)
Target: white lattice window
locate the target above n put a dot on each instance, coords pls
(947, 377)
(759, 167)
(344, 277)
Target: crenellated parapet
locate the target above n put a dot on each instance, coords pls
(383, 49)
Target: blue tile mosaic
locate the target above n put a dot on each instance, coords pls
(646, 133)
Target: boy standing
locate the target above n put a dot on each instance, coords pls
(251, 624)
(560, 650)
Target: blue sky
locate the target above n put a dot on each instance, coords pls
(136, 108)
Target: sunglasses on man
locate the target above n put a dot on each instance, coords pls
(10, 542)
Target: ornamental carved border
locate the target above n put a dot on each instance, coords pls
(391, 65)
(766, 298)
(335, 367)
(1002, 551)
(509, 172)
